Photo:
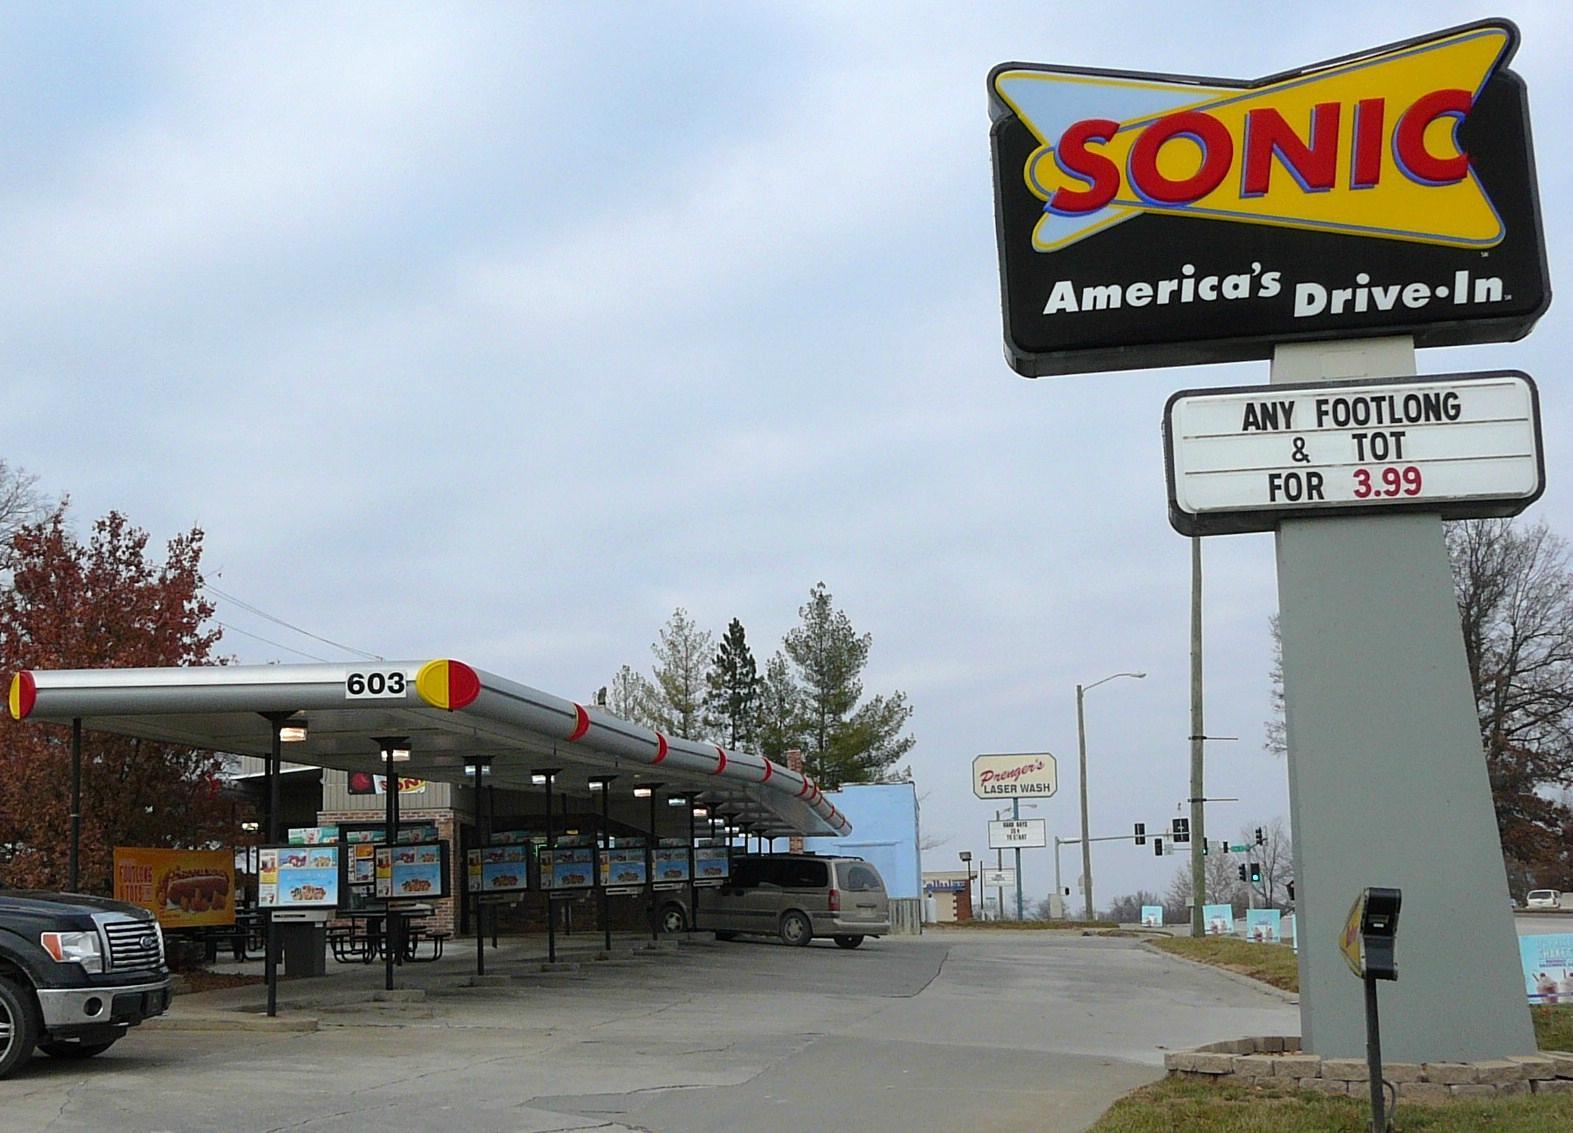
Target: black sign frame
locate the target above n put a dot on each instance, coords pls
(1156, 246)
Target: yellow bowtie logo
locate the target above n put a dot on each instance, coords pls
(1368, 147)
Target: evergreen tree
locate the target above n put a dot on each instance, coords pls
(845, 743)
(732, 698)
(779, 723)
(681, 655)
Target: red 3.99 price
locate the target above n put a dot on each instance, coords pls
(1393, 481)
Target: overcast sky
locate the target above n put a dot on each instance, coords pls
(497, 332)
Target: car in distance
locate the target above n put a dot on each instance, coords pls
(795, 897)
(1543, 899)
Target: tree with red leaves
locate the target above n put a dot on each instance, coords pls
(93, 605)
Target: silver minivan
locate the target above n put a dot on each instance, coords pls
(795, 897)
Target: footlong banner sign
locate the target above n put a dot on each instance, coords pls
(1156, 220)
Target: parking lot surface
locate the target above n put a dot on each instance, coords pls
(982, 1030)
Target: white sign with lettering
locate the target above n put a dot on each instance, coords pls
(1466, 446)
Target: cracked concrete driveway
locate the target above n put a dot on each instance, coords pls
(980, 1030)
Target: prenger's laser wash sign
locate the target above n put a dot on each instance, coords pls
(1154, 220)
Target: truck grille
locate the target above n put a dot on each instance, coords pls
(132, 943)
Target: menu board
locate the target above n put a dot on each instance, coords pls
(413, 870)
(623, 868)
(671, 865)
(568, 867)
(298, 877)
(712, 865)
(498, 869)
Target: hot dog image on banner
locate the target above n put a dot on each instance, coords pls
(1156, 220)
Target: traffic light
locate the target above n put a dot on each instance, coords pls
(1242, 871)
(1260, 841)
(1256, 871)
(1141, 833)
(1157, 847)
(1291, 891)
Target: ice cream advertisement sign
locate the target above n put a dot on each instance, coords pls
(1149, 219)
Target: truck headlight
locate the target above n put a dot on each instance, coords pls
(74, 948)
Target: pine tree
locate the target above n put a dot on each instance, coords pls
(779, 723)
(681, 654)
(732, 698)
(846, 743)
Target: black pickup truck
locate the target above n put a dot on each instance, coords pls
(76, 973)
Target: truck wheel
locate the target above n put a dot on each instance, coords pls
(69, 1049)
(18, 1026)
(796, 930)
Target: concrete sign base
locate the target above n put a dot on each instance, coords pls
(1387, 781)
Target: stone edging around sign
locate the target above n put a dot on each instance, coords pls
(1253, 1061)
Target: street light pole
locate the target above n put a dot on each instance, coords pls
(1081, 745)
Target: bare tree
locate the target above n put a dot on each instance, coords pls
(1274, 858)
(632, 697)
(20, 504)
(1221, 876)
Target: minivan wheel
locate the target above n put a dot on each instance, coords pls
(796, 930)
(848, 941)
(18, 1026)
(672, 919)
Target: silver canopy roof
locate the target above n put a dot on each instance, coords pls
(447, 714)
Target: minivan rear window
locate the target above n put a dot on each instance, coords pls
(859, 878)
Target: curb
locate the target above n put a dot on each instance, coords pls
(237, 1021)
(1290, 997)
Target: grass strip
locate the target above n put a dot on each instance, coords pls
(1199, 1107)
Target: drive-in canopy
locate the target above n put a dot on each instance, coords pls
(445, 713)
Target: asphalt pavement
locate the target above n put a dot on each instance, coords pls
(981, 1029)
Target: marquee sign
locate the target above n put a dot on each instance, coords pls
(1462, 445)
(1156, 220)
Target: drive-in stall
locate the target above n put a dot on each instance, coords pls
(445, 721)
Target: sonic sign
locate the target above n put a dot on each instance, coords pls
(1156, 220)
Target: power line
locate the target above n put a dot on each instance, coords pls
(268, 641)
(247, 606)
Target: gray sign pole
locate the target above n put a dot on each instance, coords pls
(1015, 813)
(1387, 780)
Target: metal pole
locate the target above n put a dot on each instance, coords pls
(1059, 888)
(655, 928)
(1373, 1056)
(390, 830)
(73, 873)
(1198, 795)
(999, 890)
(693, 890)
(606, 844)
(270, 966)
(546, 882)
(1015, 813)
(1086, 847)
(482, 836)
